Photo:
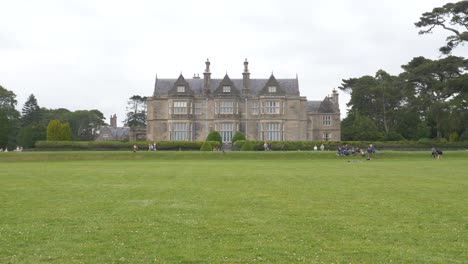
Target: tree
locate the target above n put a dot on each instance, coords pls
(436, 90)
(452, 17)
(136, 112)
(65, 132)
(84, 123)
(359, 127)
(58, 131)
(9, 118)
(30, 111)
(376, 97)
(8, 103)
(214, 136)
(5, 127)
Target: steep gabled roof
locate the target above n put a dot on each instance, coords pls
(181, 82)
(272, 82)
(226, 82)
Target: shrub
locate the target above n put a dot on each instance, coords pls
(206, 146)
(238, 136)
(247, 146)
(214, 136)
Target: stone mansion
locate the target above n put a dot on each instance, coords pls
(262, 109)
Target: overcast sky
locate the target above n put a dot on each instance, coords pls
(95, 54)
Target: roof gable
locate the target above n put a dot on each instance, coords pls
(181, 88)
(272, 88)
(327, 106)
(226, 88)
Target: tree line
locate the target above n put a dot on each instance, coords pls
(428, 99)
(35, 123)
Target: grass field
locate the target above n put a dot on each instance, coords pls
(236, 207)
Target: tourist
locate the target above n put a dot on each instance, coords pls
(434, 152)
(370, 152)
(439, 153)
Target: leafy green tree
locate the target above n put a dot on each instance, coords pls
(29, 135)
(58, 131)
(9, 118)
(359, 127)
(214, 136)
(54, 130)
(238, 136)
(8, 103)
(452, 17)
(136, 112)
(65, 132)
(84, 123)
(378, 98)
(436, 90)
(5, 127)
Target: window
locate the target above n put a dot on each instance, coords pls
(226, 131)
(326, 136)
(226, 89)
(198, 108)
(180, 131)
(226, 107)
(326, 121)
(272, 131)
(179, 108)
(272, 89)
(254, 108)
(181, 89)
(272, 107)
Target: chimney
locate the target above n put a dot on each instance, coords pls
(113, 120)
(207, 78)
(246, 78)
(335, 96)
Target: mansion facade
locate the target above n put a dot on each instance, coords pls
(262, 109)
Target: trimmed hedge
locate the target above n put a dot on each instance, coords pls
(119, 145)
(332, 145)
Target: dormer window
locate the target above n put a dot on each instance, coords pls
(272, 89)
(181, 89)
(226, 89)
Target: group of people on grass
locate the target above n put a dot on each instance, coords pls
(18, 148)
(345, 150)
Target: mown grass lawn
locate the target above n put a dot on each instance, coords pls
(273, 207)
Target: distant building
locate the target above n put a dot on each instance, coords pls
(263, 109)
(113, 132)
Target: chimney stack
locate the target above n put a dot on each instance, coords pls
(246, 78)
(113, 120)
(207, 78)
